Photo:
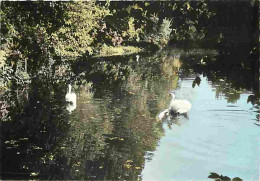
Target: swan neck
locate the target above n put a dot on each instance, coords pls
(173, 96)
(69, 88)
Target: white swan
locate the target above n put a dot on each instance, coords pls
(179, 106)
(71, 100)
(176, 107)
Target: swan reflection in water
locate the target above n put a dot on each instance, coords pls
(176, 119)
(71, 98)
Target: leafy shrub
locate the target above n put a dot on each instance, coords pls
(80, 29)
(165, 31)
(160, 34)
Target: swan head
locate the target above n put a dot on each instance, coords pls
(172, 94)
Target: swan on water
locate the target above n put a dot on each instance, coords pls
(71, 100)
(176, 107)
(179, 106)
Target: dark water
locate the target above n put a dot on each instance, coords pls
(114, 131)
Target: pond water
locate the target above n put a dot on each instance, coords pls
(217, 137)
(113, 130)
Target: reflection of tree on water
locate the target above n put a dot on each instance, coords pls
(107, 136)
(196, 81)
(124, 119)
(175, 120)
(109, 133)
(228, 80)
(35, 124)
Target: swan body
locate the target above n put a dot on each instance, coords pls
(176, 107)
(179, 106)
(71, 99)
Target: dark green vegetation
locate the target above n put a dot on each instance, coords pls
(37, 35)
(217, 177)
(46, 45)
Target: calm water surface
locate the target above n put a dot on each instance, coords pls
(217, 137)
(114, 132)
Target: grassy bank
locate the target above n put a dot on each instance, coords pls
(106, 51)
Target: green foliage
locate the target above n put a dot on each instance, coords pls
(164, 32)
(159, 22)
(131, 30)
(165, 28)
(71, 29)
(42, 30)
(75, 37)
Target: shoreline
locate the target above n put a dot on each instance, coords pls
(109, 51)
